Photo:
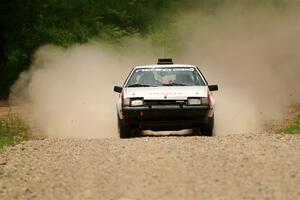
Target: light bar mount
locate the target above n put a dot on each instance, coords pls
(165, 61)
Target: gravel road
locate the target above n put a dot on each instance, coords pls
(257, 166)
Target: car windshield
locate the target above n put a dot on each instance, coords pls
(169, 76)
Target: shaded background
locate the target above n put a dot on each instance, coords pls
(27, 24)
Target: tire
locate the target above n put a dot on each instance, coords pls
(208, 129)
(124, 129)
(197, 131)
(135, 132)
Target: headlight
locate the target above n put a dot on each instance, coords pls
(205, 101)
(194, 101)
(125, 101)
(137, 102)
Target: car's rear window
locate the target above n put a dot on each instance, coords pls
(169, 76)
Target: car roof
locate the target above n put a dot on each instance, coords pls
(163, 66)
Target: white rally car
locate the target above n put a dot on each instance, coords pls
(165, 96)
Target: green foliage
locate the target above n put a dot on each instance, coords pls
(294, 128)
(26, 25)
(12, 130)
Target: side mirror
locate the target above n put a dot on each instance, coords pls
(118, 89)
(213, 87)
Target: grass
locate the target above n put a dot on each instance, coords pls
(12, 130)
(294, 128)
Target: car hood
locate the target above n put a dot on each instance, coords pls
(168, 93)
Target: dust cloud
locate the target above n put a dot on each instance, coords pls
(69, 92)
(252, 54)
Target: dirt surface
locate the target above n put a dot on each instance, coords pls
(260, 166)
(4, 109)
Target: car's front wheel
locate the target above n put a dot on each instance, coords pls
(208, 129)
(124, 129)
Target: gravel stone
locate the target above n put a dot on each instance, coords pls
(256, 166)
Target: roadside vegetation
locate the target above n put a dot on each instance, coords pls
(12, 130)
(27, 25)
(294, 128)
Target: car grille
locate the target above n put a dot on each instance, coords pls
(164, 102)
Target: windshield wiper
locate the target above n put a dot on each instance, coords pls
(139, 85)
(175, 84)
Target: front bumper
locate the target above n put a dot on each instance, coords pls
(166, 117)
